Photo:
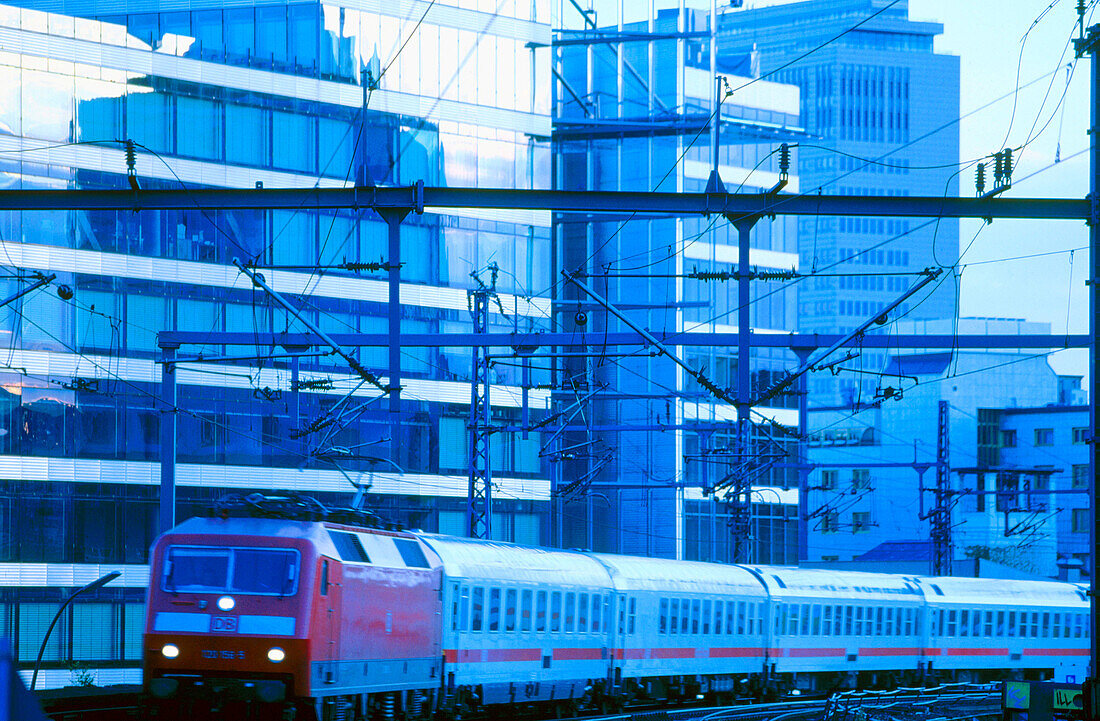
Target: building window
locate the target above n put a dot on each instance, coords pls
(1008, 439)
(1080, 436)
(828, 480)
(830, 523)
(861, 479)
(861, 521)
(1080, 475)
(1044, 436)
(1080, 520)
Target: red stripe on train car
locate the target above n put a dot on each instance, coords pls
(889, 652)
(514, 654)
(931, 651)
(976, 652)
(1056, 652)
(816, 652)
(450, 655)
(736, 653)
(673, 653)
(578, 654)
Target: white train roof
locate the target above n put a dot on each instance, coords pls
(987, 591)
(812, 583)
(635, 573)
(495, 561)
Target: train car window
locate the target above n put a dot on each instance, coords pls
(781, 619)
(859, 621)
(975, 623)
(695, 609)
(464, 609)
(849, 618)
(707, 607)
(827, 621)
(607, 610)
(597, 608)
(1046, 625)
(349, 547)
(411, 553)
(324, 577)
(838, 620)
(525, 610)
(622, 619)
(916, 623)
(964, 623)
(510, 609)
(1011, 624)
(454, 606)
(988, 624)
(731, 613)
(494, 609)
(952, 623)
(906, 621)
(632, 615)
(1056, 625)
(685, 615)
(555, 611)
(804, 618)
(1000, 630)
(719, 614)
(674, 616)
(570, 611)
(792, 619)
(888, 621)
(582, 613)
(662, 616)
(540, 611)
(758, 625)
(1035, 624)
(815, 623)
(477, 608)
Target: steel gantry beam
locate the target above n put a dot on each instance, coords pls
(420, 198)
(533, 341)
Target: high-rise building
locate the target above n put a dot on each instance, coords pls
(293, 94)
(634, 100)
(885, 107)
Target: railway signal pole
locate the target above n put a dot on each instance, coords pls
(1090, 44)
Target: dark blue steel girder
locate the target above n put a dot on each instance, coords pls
(531, 342)
(418, 198)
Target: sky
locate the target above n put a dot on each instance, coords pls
(989, 38)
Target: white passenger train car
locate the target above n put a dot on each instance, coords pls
(522, 624)
(681, 619)
(980, 625)
(842, 622)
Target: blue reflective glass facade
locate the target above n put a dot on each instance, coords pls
(283, 94)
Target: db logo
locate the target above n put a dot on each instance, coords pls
(224, 624)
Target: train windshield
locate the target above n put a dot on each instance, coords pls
(210, 569)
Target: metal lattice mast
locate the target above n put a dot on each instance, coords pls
(479, 494)
(942, 556)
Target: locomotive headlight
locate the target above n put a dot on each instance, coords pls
(170, 650)
(226, 603)
(275, 655)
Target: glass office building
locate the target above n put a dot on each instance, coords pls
(278, 94)
(634, 97)
(877, 93)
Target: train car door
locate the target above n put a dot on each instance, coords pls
(331, 588)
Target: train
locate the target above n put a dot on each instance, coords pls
(290, 610)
